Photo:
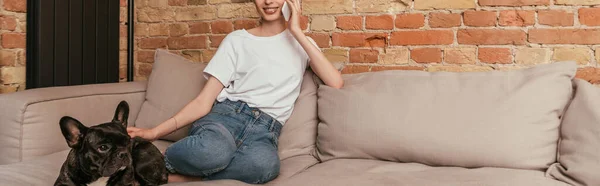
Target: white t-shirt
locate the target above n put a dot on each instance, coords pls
(265, 72)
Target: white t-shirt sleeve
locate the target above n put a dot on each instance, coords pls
(223, 64)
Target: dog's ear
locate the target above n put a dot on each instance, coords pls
(122, 113)
(73, 131)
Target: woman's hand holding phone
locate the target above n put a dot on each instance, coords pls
(293, 7)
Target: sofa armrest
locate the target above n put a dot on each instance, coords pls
(29, 119)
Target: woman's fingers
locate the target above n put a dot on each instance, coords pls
(133, 129)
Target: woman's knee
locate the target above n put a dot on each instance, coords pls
(201, 153)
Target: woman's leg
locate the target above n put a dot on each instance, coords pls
(256, 161)
(208, 149)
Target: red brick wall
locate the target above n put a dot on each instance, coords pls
(12, 45)
(374, 35)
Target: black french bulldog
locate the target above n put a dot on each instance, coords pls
(106, 150)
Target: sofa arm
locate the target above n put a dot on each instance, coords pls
(29, 119)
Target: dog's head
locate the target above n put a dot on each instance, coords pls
(103, 149)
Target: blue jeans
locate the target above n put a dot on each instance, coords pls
(233, 141)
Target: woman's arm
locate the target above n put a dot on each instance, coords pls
(318, 62)
(196, 109)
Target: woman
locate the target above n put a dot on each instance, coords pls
(255, 78)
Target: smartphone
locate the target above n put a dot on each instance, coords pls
(286, 11)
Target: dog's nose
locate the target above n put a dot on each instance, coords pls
(122, 155)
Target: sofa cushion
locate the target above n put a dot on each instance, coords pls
(298, 136)
(350, 172)
(579, 149)
(475, 119)
(173, 83)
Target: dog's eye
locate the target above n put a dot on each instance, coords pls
(103, 148)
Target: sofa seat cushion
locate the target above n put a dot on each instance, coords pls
(359, 172)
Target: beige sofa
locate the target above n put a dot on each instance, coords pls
(528, 127)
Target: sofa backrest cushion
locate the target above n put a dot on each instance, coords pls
(579, 147)
(173, 83)
(473, 119)
(298, 136)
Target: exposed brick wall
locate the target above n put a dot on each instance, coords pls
(374, 35)
(12, 45)
(13, 40)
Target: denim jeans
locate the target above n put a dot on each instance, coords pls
(233, 141)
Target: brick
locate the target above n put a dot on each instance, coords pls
(364, 56)
(7, 58)
(145, 56)
(237, 10)
(513, 2)
(444, 20)
(8, 23)
(578, 2)
(589, 74)
(21, 57)
(245, 24)
(212, 2)
(409, 20)
(479, 18)
(144, 70)
(380, 22)
(157, 3)
(141, 29)
(589, 16)
(463, 68)
(378, 6)
(444, 4)
(322, 39)
(195, 13)
(192, 55)
(215, 40)
(394, 56)
(190, 42)
(425, 37)
(221, 27)
(152, 43)
(13, 40)
(310, 7)
(352, 69)
(322, 23)
(517, 18)
(597, 55)
(197, 2)
(207, 55)
(555, 18)
(10, 75)
(199, 28)
(564, 36)
(582, 56)
(349, 22)
(385, 68)
(460, 55)
(491, 37)
(15, 5)
(336, 55)
(158, 29)
(178, 29)
(426, 55)
(8, 88)
(155, 15)
(359, 39)
(177, 2)
(532, 56)
(304, 22)
(495, 55)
